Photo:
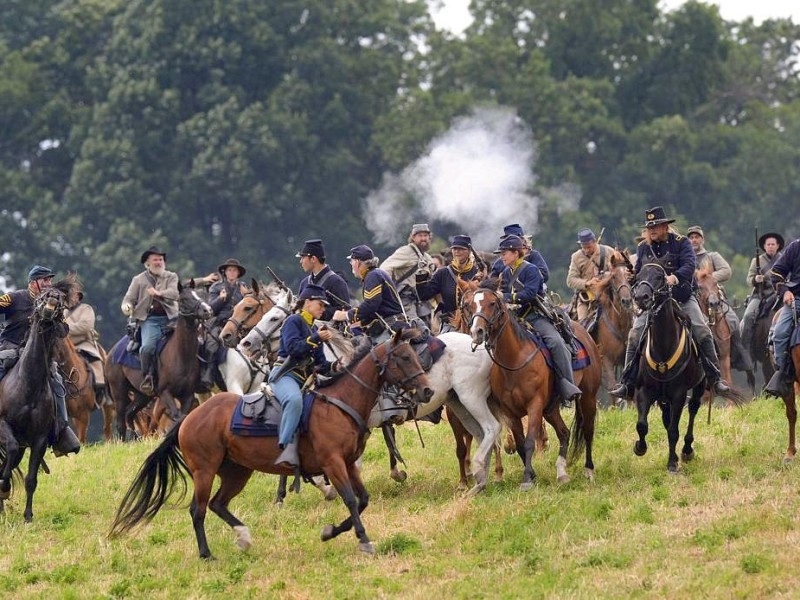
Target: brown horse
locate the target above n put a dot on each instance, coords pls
(709, 296)
(463, 450)
(759, 349)
(247, 312)
(178, 367)
(615, 308)
(203, 446)
(522, 382)
(81, 397)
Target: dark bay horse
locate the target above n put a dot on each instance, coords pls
(669, 366)
(522, 382)
(759, 349)
(27, 409)
(203, 446)
(178, 367)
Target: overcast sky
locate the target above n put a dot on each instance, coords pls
(455, 16)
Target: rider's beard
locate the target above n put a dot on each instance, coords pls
(157, 270)
(424, 246)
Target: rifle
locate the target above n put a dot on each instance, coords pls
(757, 285)
(277, 279)
(481, 264)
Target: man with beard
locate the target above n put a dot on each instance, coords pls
(409, 266)
(586, 268)
(758, 278)
(151, 300)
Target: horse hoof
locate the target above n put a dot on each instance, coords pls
(327, 533)
(563, 479)
(330, 493)
(366, 547)
(687, 457)
(399, 476)
(526, 486)
(787, 460)
(672, 469)
(279, 503)
(476, 490)
(462, 486)
(639, 449)
(243, 539)
(589, 474)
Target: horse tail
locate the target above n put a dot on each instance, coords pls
(154, 484)
(738, 397)
(577, 442)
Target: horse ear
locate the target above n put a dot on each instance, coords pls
(255, 286)
(180, 286)
(191, 283)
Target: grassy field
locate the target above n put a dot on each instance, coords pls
(725, 526)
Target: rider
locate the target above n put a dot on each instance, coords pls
(668, 246)
(300, 353)
(532, 255)
(523, 284)
(410, 266)
(786, 279)
(223, 295)
(381, 309)
(721, 272)
(586, 268)
(758, 278)
(445, 280)
(151, 300)
(312, 261)
(81, 320)
(17, 307)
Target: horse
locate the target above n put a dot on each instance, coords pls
(713, 306)
(27, 411)
(202, 445)
(460, 378)
(81, 397)
(247, 312)
(615, 316)
(759, 349)
(522, 382)
(178, 367)
(669, 366)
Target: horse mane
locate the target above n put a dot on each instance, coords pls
(70, 286)
(490, 283)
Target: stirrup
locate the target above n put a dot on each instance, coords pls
(148, 386)
(66, 443)
(623, 390)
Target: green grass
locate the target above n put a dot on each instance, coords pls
(725, 526)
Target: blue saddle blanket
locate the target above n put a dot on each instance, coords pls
(581, 360)
(121, 356)
(266, 425)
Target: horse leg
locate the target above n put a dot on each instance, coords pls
(671, 412)
(32, 477)
(687, 453)
(553, 417)
(12, 459)
(108, 420)
(642, 407)
(491, 428)
(233, 478)
(498, 463)
(354, 495)
(462, 452)
(391, 443)
(585, 418)
(203, 480)
(534, 432)
(280, 494)
(791, 417)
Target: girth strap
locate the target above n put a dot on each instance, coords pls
(349, 410)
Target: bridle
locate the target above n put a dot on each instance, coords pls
(240, 325)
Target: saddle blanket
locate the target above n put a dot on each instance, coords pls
(257, 416)
(121, 356)
(580, 361)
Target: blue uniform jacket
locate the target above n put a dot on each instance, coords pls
(380, 299)
(300, 340)
(535, 258)
(17, 308)
(681, 262)
(335, 289)
(521, 286)
(785, 272)
(443, 282)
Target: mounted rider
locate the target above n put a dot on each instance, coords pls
(223, 295)
(522, 284)
(785, 276)
(151, 301)
(300, 354)
(80, 317)
(380, 312)
(674, 251)
(17, 307)
(758, 278)
(721, 272)
(410, 266)
(312, 261)
(532, 255)
(586, 268)
(444, 282)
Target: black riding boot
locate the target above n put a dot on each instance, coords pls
(625, 388)
(710, 362)
(210, 349)
(148, 385)
(66, 440)
(781, 383)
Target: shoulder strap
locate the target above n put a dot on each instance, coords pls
(324, 278)
(602, 265)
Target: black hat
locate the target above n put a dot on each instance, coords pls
(513, 229)
(312, 248)
(655, 216)
(461, 241)
(586, 236)
(40, 272)
(777, 236)
(510, 242)
(232, 262)
(361, 252)
(314, 292)
(152, 250)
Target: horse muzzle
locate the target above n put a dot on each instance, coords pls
(423, 395)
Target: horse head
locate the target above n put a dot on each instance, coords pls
(708, 290)
(191, 305)
(268, 327)
(398, 364)
(50, 305)
(484, 311)
(651, 286)
(247, 312)
(619, 279)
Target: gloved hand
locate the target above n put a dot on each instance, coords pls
(127, 309)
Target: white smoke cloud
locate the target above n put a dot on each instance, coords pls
(479, 175)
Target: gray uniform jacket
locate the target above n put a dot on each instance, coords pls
(765, 262)
(81, 321)
(721, 269)
(402, 260)
(141, 301)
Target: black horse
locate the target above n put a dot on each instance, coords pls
(27, 408)
(669, 366)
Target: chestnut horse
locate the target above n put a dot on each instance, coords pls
(178, 367)
(522, 382)
(790, 399)
(247, 312)
(203, 446)
(713, 306)
(81, 397)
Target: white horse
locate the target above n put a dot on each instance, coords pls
(460, 378)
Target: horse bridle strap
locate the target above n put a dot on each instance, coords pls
(347, 409)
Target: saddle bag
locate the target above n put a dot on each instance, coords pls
(8, 358)
(134, 331)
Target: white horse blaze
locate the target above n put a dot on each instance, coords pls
(476, 300)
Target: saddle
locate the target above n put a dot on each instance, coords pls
(259, 414)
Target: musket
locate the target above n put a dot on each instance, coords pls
(481, 264)
(277, 279)
(757, 285)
